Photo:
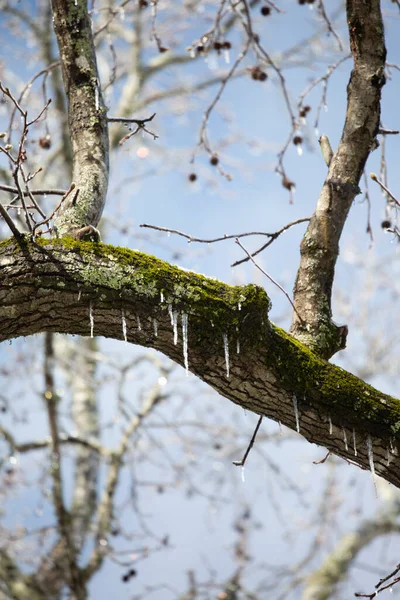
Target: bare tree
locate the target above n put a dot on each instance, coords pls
(72, 283)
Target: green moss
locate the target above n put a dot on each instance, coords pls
(144, 277)
(318, 383)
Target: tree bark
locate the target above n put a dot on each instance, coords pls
(312, 321)
(86, 288)
(87, 117)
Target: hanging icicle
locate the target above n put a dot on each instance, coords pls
(91, 319)
(370, 453)
(346, 446)
(354, 442)
(175, 326)
(124, 325)
(185, 324)
(296, 413)
(226, 350)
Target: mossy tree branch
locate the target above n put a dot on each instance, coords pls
(58, 285)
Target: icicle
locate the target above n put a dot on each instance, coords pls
(226, 350)
(237, 347)
(243, 479)
(299, 150)
(155, 324)
(388, 457)
(330, 426)
(370, 453)
(185, 322)
(161, 297)
(227, 57)
(280, 428)
(96, 97)
(212, 324)
(138, 323)
(239, 306)
(123, 325)
(91, 319)
(393, 449)
(170, 313)
(316, 131)
(296, 413)
(354, 442)
(346, 446)
(175, 326)
(79, 295)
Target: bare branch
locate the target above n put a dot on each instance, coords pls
(320, 245)
(241, 463)
(266, 274)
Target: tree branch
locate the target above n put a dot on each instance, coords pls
(86, 114)
(320, 245)
(51, 285)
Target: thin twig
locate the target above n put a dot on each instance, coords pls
(269, 277)
(329, 24)
(140, 126)
(139, 122)
(10, 222)
(241, 463)
(383, 131)
(368, 201)
(38, 192)
(273, 238)
(190, 238)
(385, 189)
(67, 193)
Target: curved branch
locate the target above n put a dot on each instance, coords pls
(83, 288)
(320, 245)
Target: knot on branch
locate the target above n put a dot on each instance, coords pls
(324, 338)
